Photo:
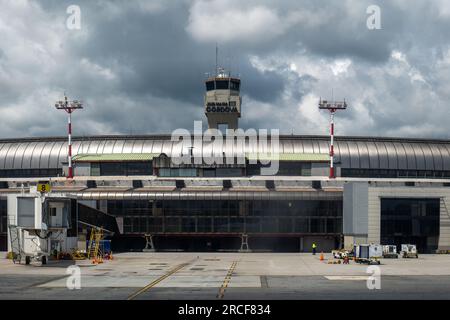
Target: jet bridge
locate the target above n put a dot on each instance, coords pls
(38, 225)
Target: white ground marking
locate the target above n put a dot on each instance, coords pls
(104, 282)
(347, 277)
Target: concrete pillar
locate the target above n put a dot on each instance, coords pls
(444, 224)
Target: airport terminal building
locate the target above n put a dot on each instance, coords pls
(386, 190)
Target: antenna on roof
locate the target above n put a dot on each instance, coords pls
(217, 57)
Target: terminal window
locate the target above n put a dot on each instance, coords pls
(222, 85)
(3, 214)
(209, 85)
(233, 216)
(234, 85)
(414, 221)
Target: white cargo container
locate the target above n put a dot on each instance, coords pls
(409, 251)
(390, 251)
(368, 253)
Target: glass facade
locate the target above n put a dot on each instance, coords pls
(391, 173)
(194, 172)
(30, 173)
(130, 168)
(229, 216)
(3, 226)
(235, 85)
(414, 221)
(222, 84)
(209, 85)
(177, 172)
(286, 168)
(290, 168)
(3, 217)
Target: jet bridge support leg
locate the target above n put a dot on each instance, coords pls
(244, 243)
(149, 246)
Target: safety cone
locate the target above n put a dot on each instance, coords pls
(321, 256)
(111, 256)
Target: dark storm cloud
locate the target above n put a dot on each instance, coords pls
(140, 65)
(160, 57)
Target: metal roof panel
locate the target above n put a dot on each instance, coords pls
(114, 157)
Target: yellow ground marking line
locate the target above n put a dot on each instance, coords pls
(155, 282)
(227, 280)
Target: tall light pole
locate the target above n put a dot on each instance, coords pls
(332, 107)
(69, 107)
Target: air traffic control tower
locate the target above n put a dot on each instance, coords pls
(222, 101)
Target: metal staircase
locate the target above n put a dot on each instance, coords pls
(95, 251)
(444, 205)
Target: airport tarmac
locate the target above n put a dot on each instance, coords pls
(225, 276)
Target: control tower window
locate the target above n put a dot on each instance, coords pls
(234, 85)
(209, 85)
(222, 84)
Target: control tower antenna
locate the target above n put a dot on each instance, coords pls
(332, 107)
(69, 107)
(217, 58)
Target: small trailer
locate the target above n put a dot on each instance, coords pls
(340, 254)
(390, 251)
(409, 251)
(368, 253)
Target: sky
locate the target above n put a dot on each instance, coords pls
(139, 66)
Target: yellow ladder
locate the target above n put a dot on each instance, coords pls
(90, 251)
(94, 250)
(98, 252)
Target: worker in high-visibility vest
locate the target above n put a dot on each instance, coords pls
(314, 247)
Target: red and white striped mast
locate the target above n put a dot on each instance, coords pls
(332, 107)
(69, 107)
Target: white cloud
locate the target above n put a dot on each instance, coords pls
(97, 70)
(310, 116)
(444, 8)
(30, 47)
(393, 98)
(399, 56)
(340, 66)
(412, 72)
(224, 21)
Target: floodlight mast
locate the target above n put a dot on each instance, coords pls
(332, 107)
(69, 107)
